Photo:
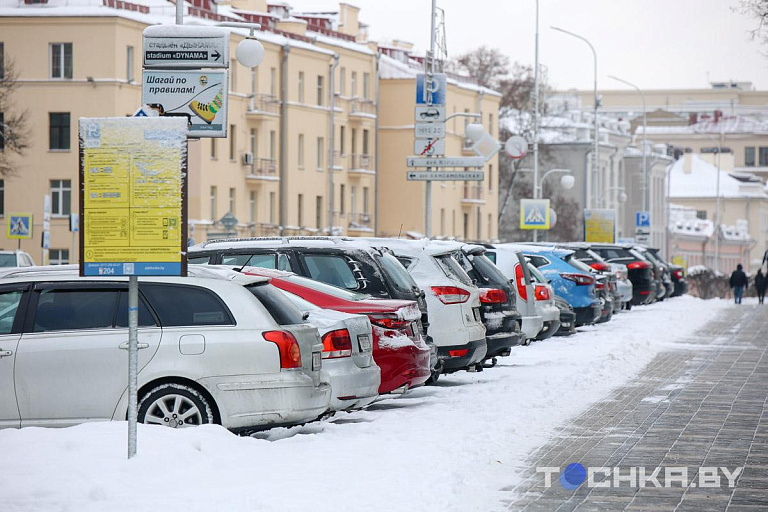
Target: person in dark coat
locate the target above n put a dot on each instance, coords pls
(760, 285)
(738, 282)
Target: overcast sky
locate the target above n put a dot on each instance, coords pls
(653, 43)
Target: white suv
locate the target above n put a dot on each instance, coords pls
(453, 301)
(218, 347)
(16, 259)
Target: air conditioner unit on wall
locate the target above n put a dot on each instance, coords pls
(247, 158)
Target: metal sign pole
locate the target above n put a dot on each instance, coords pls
(428, 96)
(133, 361)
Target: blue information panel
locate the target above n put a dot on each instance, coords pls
(438, 87)
(159, 268)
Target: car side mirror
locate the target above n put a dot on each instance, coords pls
(305, 315)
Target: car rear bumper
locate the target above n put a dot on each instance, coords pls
(531, 326)
(567, 323)
(549, 329)
(464, 355)
(252, 401)
(402, 366)
(352, 387)
(643, 294)
(625, 289)
(587, 315)
(681, 288)
(499, 344)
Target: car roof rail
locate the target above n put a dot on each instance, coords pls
(282, 239)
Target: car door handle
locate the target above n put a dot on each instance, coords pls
(124, 346)
(5, 353)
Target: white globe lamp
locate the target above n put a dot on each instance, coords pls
(249, 52)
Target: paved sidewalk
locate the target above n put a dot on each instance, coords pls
(701, 406)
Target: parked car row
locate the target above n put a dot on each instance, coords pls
(280, 331)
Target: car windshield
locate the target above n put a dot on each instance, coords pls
(341, 293)
(490, 271)
(8, 260)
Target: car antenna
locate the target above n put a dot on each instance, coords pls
(400, 232)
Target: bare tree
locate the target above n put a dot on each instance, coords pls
(757, 9)
(14, 134)
(486, 65)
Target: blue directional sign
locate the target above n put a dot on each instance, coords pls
(643, 219)
(437, 88)
(534, 214)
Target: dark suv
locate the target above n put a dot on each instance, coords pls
(338, 261)
(640, 271)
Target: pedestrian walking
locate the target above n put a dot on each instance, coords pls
(760, 285)
(738, 282)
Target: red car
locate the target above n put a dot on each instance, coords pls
(398, 348)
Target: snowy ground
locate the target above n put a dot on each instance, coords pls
(446, 447)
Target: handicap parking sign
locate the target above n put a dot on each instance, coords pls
(19, 226)
(643, 219)
(534, 214)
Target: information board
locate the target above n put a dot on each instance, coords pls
(133, 196)
(600, 226)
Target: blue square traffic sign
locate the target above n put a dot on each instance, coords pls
(643, 219)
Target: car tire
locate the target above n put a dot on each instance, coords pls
(433, 378)
(628, 305)
(526, 342)
(175, 406)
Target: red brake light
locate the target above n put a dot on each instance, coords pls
(458, 353)
(290, 354)
(388, 321)
(602, 267)
(520, 282)
(542, 292)
(579, 279)
(492, 296)
(337, 344)
(678, 273)
(599, 286)
(639, 264)
(451, 294)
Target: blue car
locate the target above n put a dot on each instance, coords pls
(569, 282)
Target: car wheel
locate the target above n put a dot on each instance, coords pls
(628, 305)
(176, 406)
(526, 342)
(433, 378)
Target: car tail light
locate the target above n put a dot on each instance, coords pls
(389, 321)
(645, 292)
(639, 264)
(451, 294)
(492, 296)
(678, 273)
(290, 354)
(579, 279)
(337, 344)
(520, 282)
(602, 267)
(458, 353)
(542, 292)
(599, 286)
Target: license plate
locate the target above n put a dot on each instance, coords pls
(365, 342)
(476, 312)
(317, 360)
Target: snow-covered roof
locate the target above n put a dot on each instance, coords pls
(726, 125)
(392, 69)
(693, 177)
(341, 43)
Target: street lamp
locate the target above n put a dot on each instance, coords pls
(719, 141)
(595, 168)
(567, 182)
(645, 166)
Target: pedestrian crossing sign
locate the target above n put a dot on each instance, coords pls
(534, 214)
(18, 226)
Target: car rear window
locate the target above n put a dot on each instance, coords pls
(396, 273)
(250, 260)
(585, 255)
(198, 260)
(488, 270)
(612, 253)
(8, 260)
(9, 305)
(491, 256)
(331, 269)
(181, 305)
(537, 261)
(278, 305)
(334, 291)
(452, 269)
(145, 315)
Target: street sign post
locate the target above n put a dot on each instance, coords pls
(429, 130)
(445, 175)
(185, 46)
(448, 161)
(424, 114)
(437, 87)
(198, 96)
(429, 147)
(534, 214)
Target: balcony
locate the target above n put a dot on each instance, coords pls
(339, 160)
(473, 194)
(360, 222)
(263, 169)
(264, 106)
(362, 108)
(361, 164)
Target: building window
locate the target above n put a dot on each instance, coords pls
(272, 207)
(61, 197)
(319, 212)
(232, 201)
(341, 198)
(442, 221)
(301, 151)
(320, 144)
(252, 206)
(490, 177)
(366, 84)
(2, 60)
(301, 210)
(365, 142)
(301, 87)
(58, 134)
(490, 124)
(320, 90)
(342, 136)
(232, 142)
(58, 256)
(354, 84)
(353, 200)
(366, 208)
(701, 214)
(490, 226)
(254, 146)
(342, 79)
(232, 74)
(2, 129)
(466, 226)
(61, 60)
(2, 197)
(273, 82)
(213, 149)
(272, 144)
(354, 141)
(749, 157)
(129, 63)
(763, 157)
(212, 203)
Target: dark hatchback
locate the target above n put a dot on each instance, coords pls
(497, 301)
(338, 261)
(639, 270)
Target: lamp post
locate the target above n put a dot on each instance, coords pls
(646, 188)
(716, 219)
(595, 167)
(566, 182)
(536, 114)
